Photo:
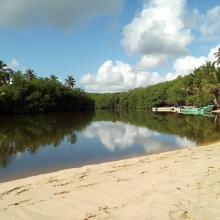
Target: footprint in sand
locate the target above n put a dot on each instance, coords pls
(89, 217)
(54, 180)
(87, 185)
(122, 180)
(16, 189)
(18, 203)
(61, 193)
(62, 184)
(143, 172)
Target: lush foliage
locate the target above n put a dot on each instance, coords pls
(200, 88)
(27, 93)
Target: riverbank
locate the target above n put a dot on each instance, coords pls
(181, 184)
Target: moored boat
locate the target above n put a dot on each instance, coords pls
(165, 109)
(196, 111)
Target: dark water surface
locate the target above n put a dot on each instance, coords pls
(37, 144)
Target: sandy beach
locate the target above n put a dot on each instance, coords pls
(182, 184)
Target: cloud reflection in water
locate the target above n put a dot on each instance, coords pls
(120, 136)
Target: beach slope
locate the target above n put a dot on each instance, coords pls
(182, 184)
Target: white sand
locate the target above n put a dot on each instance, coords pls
(182, 184)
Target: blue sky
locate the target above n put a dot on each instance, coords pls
(54, 43)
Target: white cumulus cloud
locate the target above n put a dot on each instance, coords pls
(118, 76)
(185, 65)
(210, 26)
(158, 30)
(13, 64)
(150, 61)
(64, 14)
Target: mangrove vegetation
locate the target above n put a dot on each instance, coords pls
(200, 88)
(27, 93)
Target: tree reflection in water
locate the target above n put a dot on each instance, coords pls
(29, 133)
(199, 129)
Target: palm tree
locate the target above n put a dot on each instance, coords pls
(70, 82)
(217, 56)
(2, 65)
(5, 74)
(17, 77)
(205, 79)
(216, 88)
(53, 77)
(29, 74)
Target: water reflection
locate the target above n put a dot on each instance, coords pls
(116, 135)
(32, 144)
(119, 136)
(30, 133)
(198, 129)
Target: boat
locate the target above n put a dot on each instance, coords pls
(196, 111)
(165, 109)
(207, 114)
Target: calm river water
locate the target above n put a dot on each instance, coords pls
(37, 144)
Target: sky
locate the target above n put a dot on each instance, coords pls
(109, 46)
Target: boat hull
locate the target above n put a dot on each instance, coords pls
(165, 109)
(197, 111)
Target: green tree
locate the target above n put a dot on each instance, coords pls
(29, 74)
(70, 82)
(5, 74)
(53, 77)
(2, 65)
(215, 89)
(217, 56)
(27, 93)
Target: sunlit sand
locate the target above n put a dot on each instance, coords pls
(182, 184)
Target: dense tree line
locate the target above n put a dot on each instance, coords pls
(200, 88)
(27, 93)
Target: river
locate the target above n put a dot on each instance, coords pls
(35, 144)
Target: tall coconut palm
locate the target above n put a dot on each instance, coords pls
(29, 74)
(70, 82)
(217, 56)
(216, 88)
(5, 74)
(2, 65)
(53, 77)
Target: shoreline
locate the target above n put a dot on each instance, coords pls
(51, 171)
(179, 184)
